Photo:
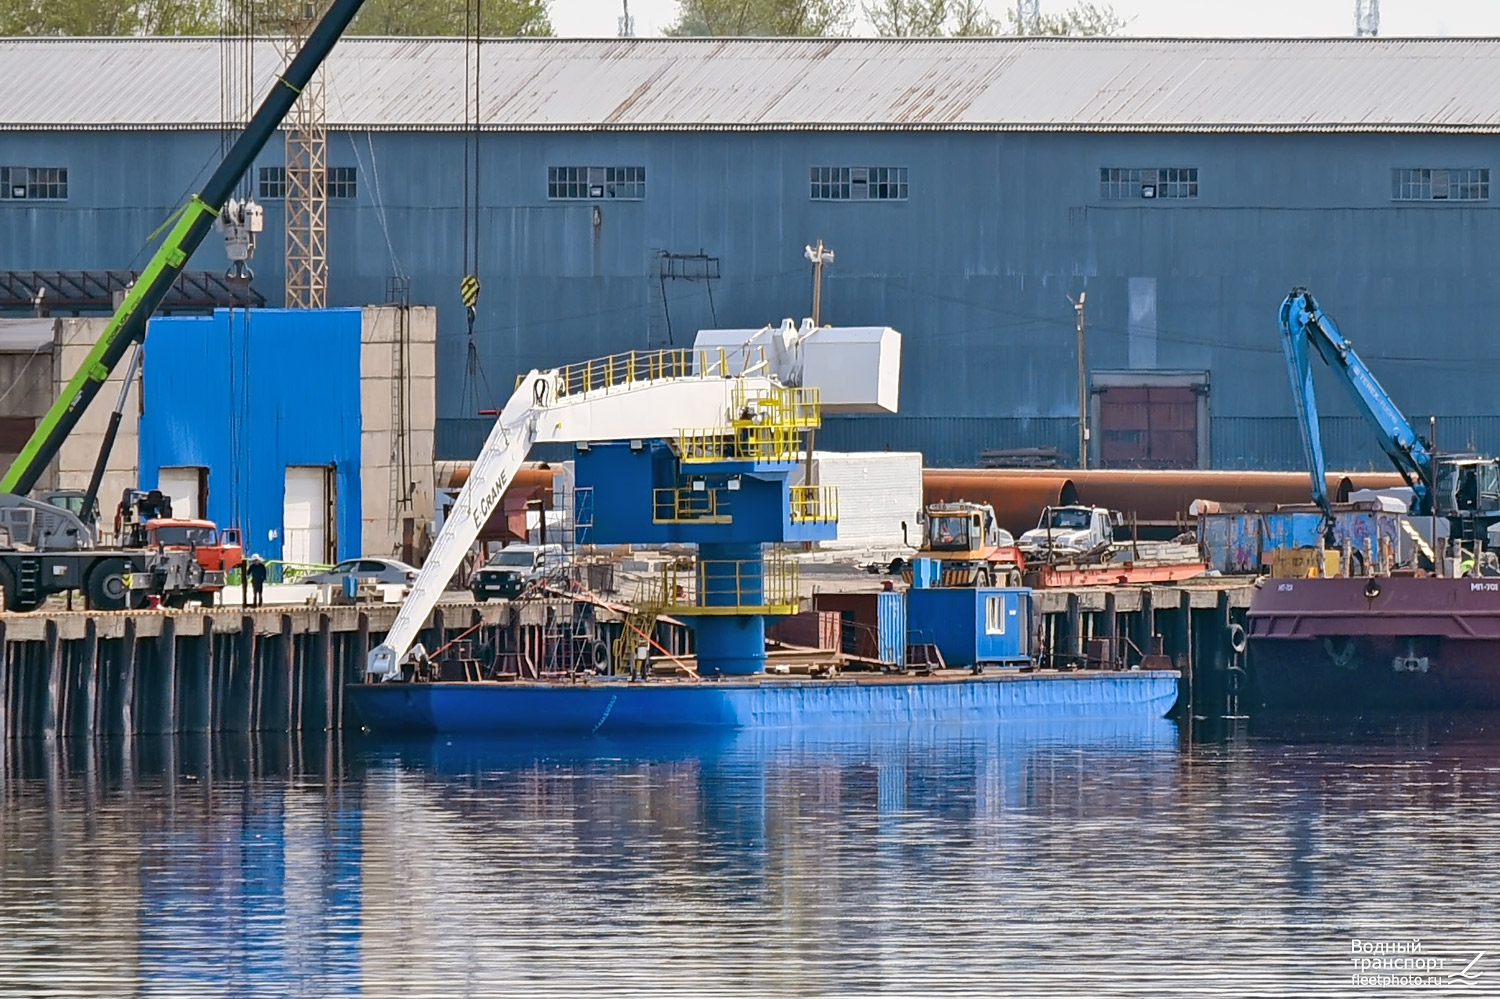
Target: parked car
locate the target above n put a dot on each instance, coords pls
(508, 571)
(387, 571)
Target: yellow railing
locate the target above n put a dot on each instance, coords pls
(624, 369)
(731, 587)
(789, 406)
(644, 366)
(778, 405)
(767, 443)
(818, 504)
(688, 505)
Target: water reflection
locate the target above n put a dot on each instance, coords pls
(1103, 858)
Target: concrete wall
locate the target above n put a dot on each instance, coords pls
(33, 373)
(398, 410)
(79, 452)
(25, 374)
(974, 268)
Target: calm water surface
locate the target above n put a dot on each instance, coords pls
(1092, 860)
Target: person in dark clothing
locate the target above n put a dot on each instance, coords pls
(257, 574)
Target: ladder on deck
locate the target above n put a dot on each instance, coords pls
(634, 644)
(1417, 539)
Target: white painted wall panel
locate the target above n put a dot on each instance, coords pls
(877, 491)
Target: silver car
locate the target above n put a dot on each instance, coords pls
(387, 571)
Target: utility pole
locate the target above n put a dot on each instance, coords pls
(1366, 18)
(819, 255)
(1083, 390)
(626, 22)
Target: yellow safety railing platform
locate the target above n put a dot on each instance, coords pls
(778, 406)
(815, 504)
(685, 505)
(753, 443)
(636, 366)
(724, 587)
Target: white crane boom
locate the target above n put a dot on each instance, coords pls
(642, 396)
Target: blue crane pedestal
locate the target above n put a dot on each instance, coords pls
(731, 580)
(734, 508)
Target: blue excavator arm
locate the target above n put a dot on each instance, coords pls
(1304, 328)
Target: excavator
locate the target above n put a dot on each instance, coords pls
(1463, 489)
(48, 548)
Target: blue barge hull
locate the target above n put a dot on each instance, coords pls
(615, 707)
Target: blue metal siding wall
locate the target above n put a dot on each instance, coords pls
(974, 269)
(950, 441)
(302, 408)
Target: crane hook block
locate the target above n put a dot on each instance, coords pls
(469, 288)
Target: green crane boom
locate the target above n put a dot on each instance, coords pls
(196, 218)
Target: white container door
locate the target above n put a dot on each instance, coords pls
(184, 484)
(304, 515)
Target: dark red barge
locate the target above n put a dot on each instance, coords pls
(1387, 643)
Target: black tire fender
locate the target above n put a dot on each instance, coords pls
(105, 587)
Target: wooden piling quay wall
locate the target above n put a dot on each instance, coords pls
(283, 669)
(1190, 627)
(229, 670)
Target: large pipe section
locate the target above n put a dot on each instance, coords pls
(1153, 497)
(1018, 500)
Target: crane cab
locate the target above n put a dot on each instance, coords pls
(1466, 491)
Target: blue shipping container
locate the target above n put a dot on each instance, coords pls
(1241, 543)
(892, 627)
(972, 626)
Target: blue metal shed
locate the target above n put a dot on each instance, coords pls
(972, 627)
(243, 398)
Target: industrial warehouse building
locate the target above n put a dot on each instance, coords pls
(634, 191)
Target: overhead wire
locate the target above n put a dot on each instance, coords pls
(379, 200)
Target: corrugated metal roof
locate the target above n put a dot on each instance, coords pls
(1008, 84)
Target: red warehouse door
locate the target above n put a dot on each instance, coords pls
(1148, 427)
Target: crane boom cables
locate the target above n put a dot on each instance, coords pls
(476, 390)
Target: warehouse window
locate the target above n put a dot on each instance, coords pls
(34, 183)
(588, 183)
(994, 615)
(1440, 185)
(341, 182)
(859, 183)
(272, 182)
(1125, 183)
